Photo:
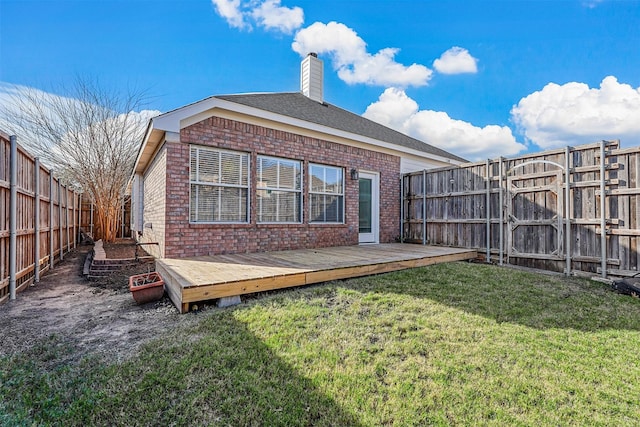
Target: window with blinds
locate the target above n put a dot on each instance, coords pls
(326, 194)
(219, 185)
(279, 190)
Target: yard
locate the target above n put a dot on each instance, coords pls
(455, 343)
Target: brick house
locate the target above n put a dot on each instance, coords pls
(271, 171)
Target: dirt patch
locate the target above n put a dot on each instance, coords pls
(119, 281)
(95, 318)
(123, 249)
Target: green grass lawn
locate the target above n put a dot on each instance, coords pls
(452, 344)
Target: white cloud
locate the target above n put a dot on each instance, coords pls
(351, 59)
(573, 114)
(591, 4)
(271, 15)
(396, 110)
(268, 14)
(456, 61)
(231, 11)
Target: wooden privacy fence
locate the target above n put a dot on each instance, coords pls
(38, 218)
(88, 224)
(572, 210)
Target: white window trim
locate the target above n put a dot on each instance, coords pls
(299, 191)
(311, 192)
(211, 184)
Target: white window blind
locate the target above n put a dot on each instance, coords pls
(326, 194)
(279, 192)
(219, 185)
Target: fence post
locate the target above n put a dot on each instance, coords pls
(74, 219)
(401, 208)
(488, 212)
(60, 220)
(36, 243)
(66, 216)
(13, 215)
(78, 217)
(424, 206)
(52, 249)
(567, 203)
(122, 221)
(501, 203)
(603, 219)
(91, 218)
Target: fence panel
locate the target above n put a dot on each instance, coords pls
(518, 210)
(45, 219)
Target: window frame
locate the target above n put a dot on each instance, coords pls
(197, 182)
(299, 191)
(325, 193)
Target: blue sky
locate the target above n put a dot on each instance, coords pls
(478, 78)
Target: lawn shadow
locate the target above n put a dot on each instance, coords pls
(508, 295)
(217, 373)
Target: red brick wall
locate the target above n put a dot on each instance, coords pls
(185, 239)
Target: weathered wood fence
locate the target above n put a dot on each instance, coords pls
(572, 210)
(38, 218)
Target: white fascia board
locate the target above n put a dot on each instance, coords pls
(143, 147)
(194, 113)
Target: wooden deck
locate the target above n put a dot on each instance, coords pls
(189, 280)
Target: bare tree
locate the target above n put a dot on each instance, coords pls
(90, 138)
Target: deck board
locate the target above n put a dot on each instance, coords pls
(189, 280)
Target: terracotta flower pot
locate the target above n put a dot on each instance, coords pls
(146, 287)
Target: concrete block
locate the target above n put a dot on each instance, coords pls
(229, 301)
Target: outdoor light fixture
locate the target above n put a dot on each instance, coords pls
(354, 174)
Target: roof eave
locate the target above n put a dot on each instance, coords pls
(152, 139)
(175, 120)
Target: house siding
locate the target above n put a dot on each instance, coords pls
(154, 202)
(186, 239)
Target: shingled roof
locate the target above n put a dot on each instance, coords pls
(298, 106)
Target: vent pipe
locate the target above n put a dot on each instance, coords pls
(311, 77)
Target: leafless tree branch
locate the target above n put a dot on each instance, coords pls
(90, 138)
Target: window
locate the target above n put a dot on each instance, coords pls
(279, 192)
(326, 194)
(219, 185)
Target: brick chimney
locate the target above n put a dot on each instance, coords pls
(311, 77)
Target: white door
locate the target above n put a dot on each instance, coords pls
(369, 207)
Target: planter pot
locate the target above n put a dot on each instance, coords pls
(146, 287)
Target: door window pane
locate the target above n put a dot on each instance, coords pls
(365, 205)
